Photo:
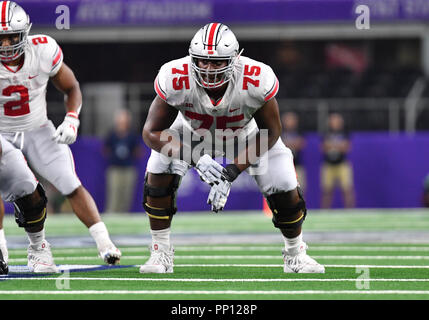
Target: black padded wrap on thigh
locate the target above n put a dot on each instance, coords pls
(159, 192)
(29, 214)
(284, 217)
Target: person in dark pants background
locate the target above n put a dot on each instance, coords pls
(336, 169)
(122, 148)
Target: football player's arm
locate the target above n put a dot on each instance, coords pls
(65, 81)
(268, 119)
(156, 133)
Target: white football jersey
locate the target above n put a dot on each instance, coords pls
(253, 83)
(23, 89)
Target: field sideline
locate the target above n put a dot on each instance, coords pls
(368, 255)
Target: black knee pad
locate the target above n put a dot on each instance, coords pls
(284, 217)
(29, 214)
(159, 192)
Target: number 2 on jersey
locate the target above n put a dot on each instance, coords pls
(180, 81)
(38, 40)
(16, 107)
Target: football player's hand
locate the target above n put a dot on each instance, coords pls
(209, 170)
(67, 131)
(218, 195)
(219, 192)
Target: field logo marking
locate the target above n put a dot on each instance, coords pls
(362, 281)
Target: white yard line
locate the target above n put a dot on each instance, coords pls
(239, 257)
(313, 248)
(261, 257)
(280, 265)
(366, 248)
(220, 280)
(193, 265)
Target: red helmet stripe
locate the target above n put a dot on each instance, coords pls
(211, 37)
(4, 10)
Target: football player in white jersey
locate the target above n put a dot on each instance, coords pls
(225, 98)
(19, 185)
(27, 63)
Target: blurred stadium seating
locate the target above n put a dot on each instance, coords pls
(319, 58)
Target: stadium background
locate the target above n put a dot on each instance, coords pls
(377, 78)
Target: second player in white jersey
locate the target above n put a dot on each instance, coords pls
(28, 63)
(23, 87)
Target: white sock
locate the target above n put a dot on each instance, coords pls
(2, 237)
(36, 238)
(161, 237)
(291, 243)
(100, 234)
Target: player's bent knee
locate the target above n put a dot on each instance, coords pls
(71, 189)
(74, 192)
(151, 191)
(288, 214)
(30, 211)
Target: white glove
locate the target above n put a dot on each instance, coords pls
(209, 170)
(219, 194)
(67, 131)
(220, 189)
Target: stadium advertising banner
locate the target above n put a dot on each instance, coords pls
(182, 12)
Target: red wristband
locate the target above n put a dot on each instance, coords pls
(72, 114)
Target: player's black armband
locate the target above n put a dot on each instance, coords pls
(231, 172)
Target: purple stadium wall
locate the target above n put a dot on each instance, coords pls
(388, 173)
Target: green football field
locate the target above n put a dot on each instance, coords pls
(368, 255)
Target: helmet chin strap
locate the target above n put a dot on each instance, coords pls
(219, 84)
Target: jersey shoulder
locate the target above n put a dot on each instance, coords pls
(257, 79)
(173, 81)
(47, 51)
